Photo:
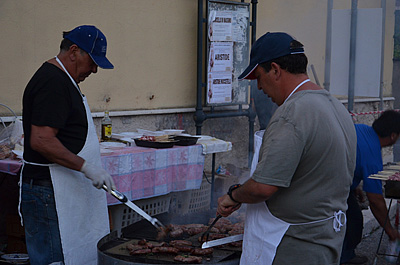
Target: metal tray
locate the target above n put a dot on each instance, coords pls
(152, 144)
(185, 140)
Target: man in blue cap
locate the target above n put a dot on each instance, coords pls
(63, 215)
(296, 197)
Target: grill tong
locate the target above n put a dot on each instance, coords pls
(207, 232)
(122, 198)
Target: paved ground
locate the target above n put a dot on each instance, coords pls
(371, 237)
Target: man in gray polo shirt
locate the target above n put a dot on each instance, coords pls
(297, 194)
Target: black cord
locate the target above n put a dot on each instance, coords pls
(205, 176)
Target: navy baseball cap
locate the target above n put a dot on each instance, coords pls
(91, 40)
(268, 47)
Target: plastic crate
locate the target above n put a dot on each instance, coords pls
(192, 201)
(122, 215)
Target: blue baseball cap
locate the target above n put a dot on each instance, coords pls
(91, 40)
(268, 47)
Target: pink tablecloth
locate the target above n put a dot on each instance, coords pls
(140, 172)
(10, 166)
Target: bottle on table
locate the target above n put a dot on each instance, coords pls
(106, 127)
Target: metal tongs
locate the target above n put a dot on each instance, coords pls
(207, 232)
(122, 198)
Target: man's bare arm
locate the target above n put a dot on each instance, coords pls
(380, 212)
(250, 192)
(44, 140)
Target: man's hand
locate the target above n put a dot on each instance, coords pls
(226, 206)
(393, 234)
(98, 176)
(360, 195)
(378, 208)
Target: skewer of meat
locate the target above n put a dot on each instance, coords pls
(174, 231)
(165, 250)
(180, 242)
(140, 251)
(133, 247)
(143, 242)
(188, 259)
(202, 252)
(184, 248)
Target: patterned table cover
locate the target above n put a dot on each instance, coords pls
(140, 172)
(10, 166)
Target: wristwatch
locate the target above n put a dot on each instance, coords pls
(232, 188)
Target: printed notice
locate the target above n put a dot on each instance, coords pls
(239, 25)
(220, 26)
(220, 57)
(219, 88)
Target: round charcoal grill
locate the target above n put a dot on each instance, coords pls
(111, 248)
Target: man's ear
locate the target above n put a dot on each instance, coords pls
(392, 136)
(276, 69)
(73, 50)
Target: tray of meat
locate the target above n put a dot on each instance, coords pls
(155, 141)
(155, 252)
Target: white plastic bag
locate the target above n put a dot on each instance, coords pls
(9, 136)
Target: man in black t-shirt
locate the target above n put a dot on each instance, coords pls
(62, 156)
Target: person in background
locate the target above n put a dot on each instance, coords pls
(63, 215)
(296, 197)
(384, 132)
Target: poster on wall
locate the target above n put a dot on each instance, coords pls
(220, 59)
(219, 87)
(220, 26)
(227, 53)
(239, 25)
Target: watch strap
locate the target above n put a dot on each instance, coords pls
(231, 189)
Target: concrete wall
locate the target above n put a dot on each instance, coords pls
(306, 20)
(152, 44)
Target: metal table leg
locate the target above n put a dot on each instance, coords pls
(383, 230)
(212, 180)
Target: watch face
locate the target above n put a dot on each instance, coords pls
(235, 186)
(232, 188)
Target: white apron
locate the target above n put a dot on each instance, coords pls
(263, 232)
(81, 208)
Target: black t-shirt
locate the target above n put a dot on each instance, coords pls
(51, 99)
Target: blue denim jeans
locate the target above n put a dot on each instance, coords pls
(42, 234)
